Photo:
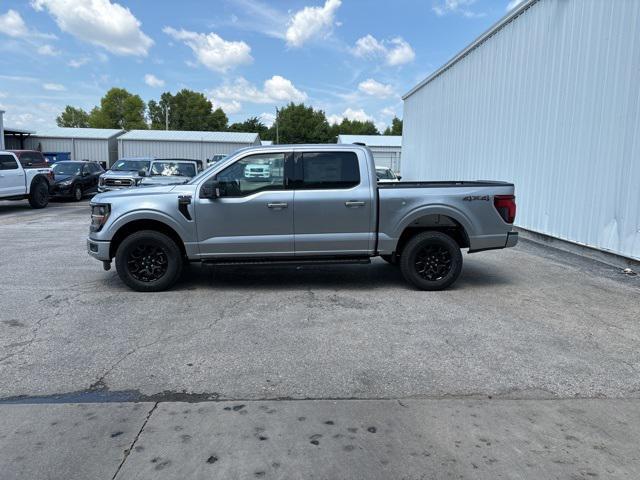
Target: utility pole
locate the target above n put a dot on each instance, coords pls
(277, 133)
(166, 117)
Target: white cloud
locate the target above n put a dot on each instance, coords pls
(47, 50)
(99, 22)
(311, 22)
(11, 24)
(212, 51)
(388, 112)
(276, 89)
(396, 51)
(78, 62)
(513, 4)
(375, 88)
(54, 87)
(153, 81)
(267, 118)
(368, 46)
(232, 106)
(400, 52)
(350, 114)
(444, 7)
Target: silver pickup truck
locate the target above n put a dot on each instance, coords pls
(319, 204)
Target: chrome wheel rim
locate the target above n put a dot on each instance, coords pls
(147, 263)
(433, 262)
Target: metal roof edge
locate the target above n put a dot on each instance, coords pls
(508, 18)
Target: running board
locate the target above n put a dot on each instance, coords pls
(294, 262)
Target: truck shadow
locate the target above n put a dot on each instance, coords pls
(378, 274)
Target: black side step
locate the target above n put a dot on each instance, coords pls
(293, 261)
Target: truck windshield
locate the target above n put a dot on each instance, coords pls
(130, 165)
(173, 169)
(63, 168)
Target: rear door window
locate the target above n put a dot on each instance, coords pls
(8, 162)
(329, 170)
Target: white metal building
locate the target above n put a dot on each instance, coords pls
(548, 98)
(2, 147)
(97, 144)
(182, 144)
(386, 149)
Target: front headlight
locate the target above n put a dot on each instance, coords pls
(99, 215)
(66, 183)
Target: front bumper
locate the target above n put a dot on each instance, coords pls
(58, 191)
(98, 249)
(512, 239)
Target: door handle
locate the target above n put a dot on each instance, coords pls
(354, 203)
(277, 205)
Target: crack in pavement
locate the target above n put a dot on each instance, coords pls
(27, 343)
(128, 450)
(100, 383)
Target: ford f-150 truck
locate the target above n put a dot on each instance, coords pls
(320, 204)
(22, 178)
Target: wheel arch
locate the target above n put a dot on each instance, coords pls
(144, 224)
(444, 220)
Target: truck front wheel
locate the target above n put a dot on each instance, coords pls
(148, 261)
(431, 261)
(39, 194)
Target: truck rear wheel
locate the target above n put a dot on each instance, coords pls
(431, 261)
(39, 194)
(149, 261)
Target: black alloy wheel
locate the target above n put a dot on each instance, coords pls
(431, 260)
(149, 261)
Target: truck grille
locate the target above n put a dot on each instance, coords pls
(118, 182)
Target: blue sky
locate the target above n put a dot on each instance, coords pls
(351, 58)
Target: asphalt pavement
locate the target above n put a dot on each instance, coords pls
(530, 346)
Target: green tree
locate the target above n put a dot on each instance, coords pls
(73, 117)
(301, 124)
(119, 109)
(188, 110)
(251, 125)
(395, 128)
(356, 127)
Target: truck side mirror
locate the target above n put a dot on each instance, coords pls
(211, 190)
(142, 172)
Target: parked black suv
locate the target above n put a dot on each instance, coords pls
(74, 179)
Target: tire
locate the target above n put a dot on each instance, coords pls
(431, 261)
(77, 193)
(391, 259)
(149, 261)
(39, 194)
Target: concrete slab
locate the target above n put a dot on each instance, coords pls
(71, 441)
(412, 439)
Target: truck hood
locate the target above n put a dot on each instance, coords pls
(119, 195)
(164, 180)
(120, 174)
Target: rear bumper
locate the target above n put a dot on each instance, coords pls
(98, 249)
(512, 239)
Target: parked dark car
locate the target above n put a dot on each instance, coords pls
(75, 179)
(30, 158)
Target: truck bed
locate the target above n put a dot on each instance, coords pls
(444, 184)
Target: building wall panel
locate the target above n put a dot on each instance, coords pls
(551, 102)
(167, 149)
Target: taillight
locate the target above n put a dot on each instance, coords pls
(506, 207)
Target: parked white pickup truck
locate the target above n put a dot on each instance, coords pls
(18, 182)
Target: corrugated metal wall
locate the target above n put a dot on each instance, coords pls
(550, 102)
(80, 149)
(387, 157)
(177, 149)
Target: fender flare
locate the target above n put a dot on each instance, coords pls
(148, 215)
(435, 209)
